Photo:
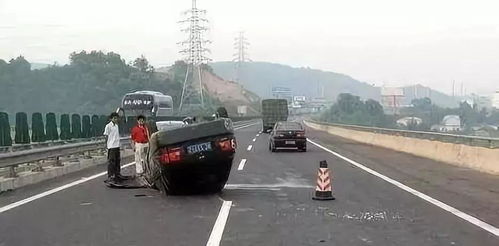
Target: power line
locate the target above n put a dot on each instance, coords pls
(241, 56)
(195, 53)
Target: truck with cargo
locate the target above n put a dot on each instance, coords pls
(273, 110)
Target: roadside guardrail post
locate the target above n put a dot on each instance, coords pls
(58, 162)
(38, 166)
(87, 155)
(12, 172)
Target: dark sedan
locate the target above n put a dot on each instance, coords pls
(288, 135)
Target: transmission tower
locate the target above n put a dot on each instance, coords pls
(241, 45)
(194, 52)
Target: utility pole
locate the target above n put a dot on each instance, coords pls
(241, 45)
(194, 52)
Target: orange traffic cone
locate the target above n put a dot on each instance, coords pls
(324, 188)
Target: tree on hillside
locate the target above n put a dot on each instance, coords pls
(375, 113)
(19, 66)
(142, 64)
(143, 72)
(349, 109)
(493, 118)
(93, 82)
(349, 103)
(469, 115)
(3, 66)
(422, 104)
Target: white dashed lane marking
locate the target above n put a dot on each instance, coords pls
(241, 164)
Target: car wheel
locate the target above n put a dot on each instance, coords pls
(272, 148)
(168, 185)
(162, 185)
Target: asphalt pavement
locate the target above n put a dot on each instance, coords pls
(269, 198)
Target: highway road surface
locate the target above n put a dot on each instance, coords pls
(382, 198)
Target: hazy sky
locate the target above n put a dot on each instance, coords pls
(383, 42)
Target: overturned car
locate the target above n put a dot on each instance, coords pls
(194, 158)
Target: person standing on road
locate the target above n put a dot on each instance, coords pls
(112, 134)
(140, 140)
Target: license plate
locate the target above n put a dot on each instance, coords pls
(290, 142)
(199, 148)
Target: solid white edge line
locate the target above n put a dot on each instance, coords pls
(241, 164)
(250, 147)
(488, 227)
(52, 191)
(219, 227)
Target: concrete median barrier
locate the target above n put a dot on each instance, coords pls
(478, 158)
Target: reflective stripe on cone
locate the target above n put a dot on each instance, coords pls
(324, 189)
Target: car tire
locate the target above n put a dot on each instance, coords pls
(163, 185)
(170, 186)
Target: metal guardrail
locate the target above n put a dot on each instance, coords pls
(22, 147)
(492, 143)
(13, 159)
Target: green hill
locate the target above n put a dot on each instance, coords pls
(260, 77)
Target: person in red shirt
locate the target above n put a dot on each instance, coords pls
(140, 140)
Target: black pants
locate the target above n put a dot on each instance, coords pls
(113, 162)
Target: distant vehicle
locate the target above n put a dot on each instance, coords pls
(273, 110)
(195, 158)
(147, 103)
(288, 135)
